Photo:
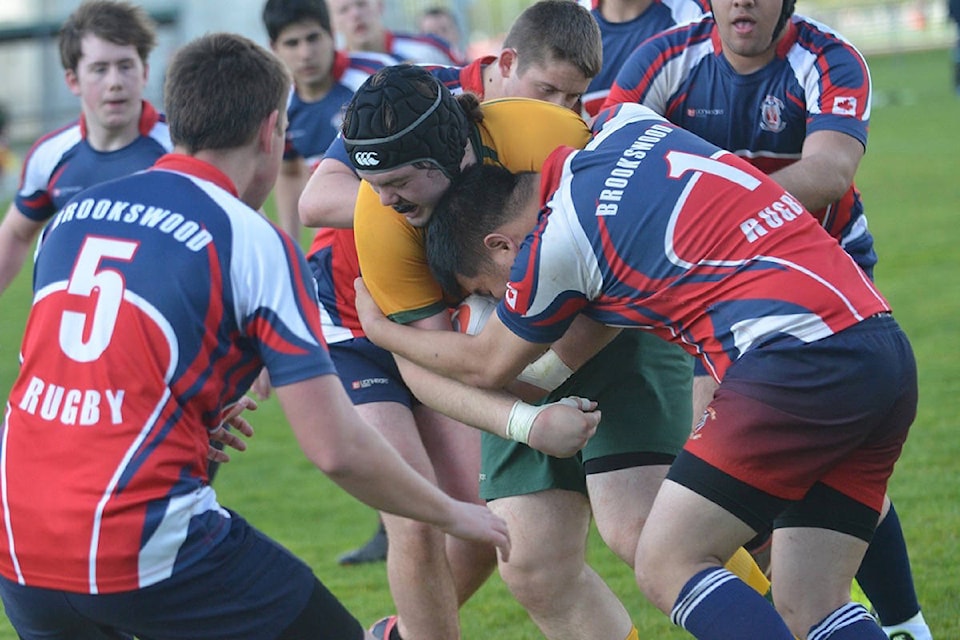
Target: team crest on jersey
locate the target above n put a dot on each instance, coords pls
(771, 114)
(511, 296)
(845, 106)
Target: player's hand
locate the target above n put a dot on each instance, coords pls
(562, 428)
(476, 522)
(367, 310)
(232, 418)
(261, 387)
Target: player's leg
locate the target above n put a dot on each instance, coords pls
(419, 575)
(813, 567)
(643, 385)
(454, 451)
(544, 502)
(886, 578)
(548, 573)
(679, 568)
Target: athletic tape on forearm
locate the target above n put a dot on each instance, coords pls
(546, 372)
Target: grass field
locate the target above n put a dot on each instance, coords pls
(912, 190)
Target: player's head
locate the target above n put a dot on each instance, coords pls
(301, 35)
(279, 14)
(751, 31)
(359, 23)
(441, 22)
(552, 51)
(220, 92)
(104, 47)
(119, 23)
(406, 135)
(476, 229)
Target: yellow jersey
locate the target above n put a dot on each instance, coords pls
(515, 133)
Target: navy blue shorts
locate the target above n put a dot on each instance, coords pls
(249, 587)
(369, 373)
(790, 420)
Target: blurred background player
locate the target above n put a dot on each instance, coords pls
(7, 158)
(441, 22)
(324, 79)
(359, 23)
(954, 11)
(795, 102)
(624, 24)
(104, 47)
(133, 540)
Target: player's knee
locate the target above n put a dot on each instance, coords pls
(537, 582)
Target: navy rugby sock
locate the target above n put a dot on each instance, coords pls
(852, 621)
(885, 575)
(716, 604)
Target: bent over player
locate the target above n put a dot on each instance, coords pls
(818, 384)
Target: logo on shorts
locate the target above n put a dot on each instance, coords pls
(366, 383)
(708, 413)
(366, 159)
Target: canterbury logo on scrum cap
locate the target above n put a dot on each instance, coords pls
(366, 158)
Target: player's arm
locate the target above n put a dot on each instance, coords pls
(359, 460)
(558, 429)
(584, 339)
(17, 233)
(290, 182)
(825, 170)
(489, 360)
(330, 195)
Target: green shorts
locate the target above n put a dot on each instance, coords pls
(643, 386)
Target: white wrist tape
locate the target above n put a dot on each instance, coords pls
(522, 415)
(521, 420)
(546, 372)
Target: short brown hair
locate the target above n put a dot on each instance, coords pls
(557, 31)
(219, 89)
(117, 22)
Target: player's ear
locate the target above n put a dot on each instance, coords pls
(267, 133)
(507, 62)
(495, 242)
(73, 82)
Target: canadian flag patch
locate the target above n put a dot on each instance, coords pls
(845, 106)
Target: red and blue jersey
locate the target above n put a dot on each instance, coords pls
(314, 125)
(62, 163)
(158, 299)
(817, 82)
(420, 49)
(333, 253)
(621, 38)
(652, 227)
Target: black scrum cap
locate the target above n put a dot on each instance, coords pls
(402, 114)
